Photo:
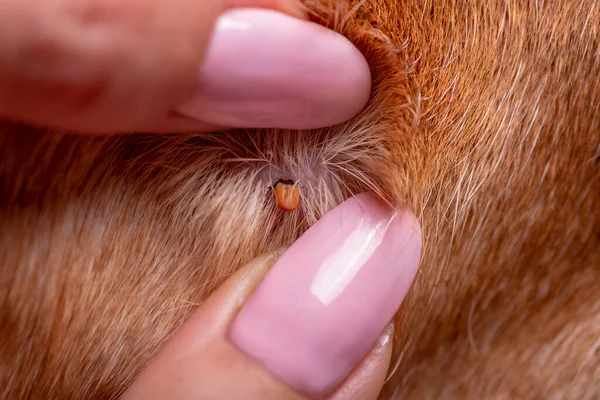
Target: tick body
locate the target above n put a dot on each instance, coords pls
(287, 195)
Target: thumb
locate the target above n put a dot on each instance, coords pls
(174, 65)
(310, 328)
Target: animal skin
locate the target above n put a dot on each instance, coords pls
(484, 119)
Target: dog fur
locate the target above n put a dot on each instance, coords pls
(484, 119)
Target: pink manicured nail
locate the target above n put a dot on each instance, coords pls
(327, 300)
(266, 69)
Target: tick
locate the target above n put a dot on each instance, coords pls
(287, 195)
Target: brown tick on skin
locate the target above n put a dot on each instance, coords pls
(287, 195)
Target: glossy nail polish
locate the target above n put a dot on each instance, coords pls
(328, 298)
(264, 69)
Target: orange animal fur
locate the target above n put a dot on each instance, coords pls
(484, 119)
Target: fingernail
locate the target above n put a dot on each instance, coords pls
(386, 336)
(265, 69)
(326, 301)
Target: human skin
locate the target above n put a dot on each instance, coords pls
(59, 46)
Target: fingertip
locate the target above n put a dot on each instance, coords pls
(326, 300)
(266, 69)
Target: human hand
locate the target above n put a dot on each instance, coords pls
(174, 65)
(314, 327)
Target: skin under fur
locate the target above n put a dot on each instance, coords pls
(484, 119)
